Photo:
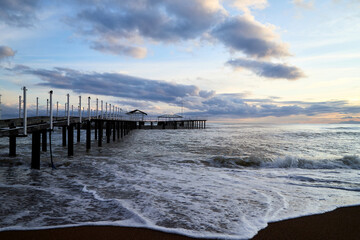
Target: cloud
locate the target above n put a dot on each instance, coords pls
(113, 84)
(6, 52)
(118, 49)
(245, 5)
(123, 27)
(144, 93)
(304, 4)
(155, 19)
(18, 13)
(229, 105)
(243, 33)
(232, 105)
(267, 69)
(131, 22)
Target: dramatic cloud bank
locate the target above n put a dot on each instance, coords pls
(113, 84)
(18, 13)
(232, 105)
(6, 52)
(145, 93)
(124, 27)
(174, 21)
(268, 70)
(126, 22)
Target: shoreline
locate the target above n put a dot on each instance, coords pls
(341, 223)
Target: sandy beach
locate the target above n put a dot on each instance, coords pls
(342, 223)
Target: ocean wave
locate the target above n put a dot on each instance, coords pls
(231, 162)
(346, 162)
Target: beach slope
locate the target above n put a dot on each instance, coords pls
(342, 223)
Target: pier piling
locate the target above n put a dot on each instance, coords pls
(96, 130)
(44, 140)
(108, 131)
(100, 129)
(64, 136)
(88, 134)
(70, 140)
(122, 129)
(78, 126)
(114, 131)
(35, 154)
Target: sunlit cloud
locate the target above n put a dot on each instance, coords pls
(6, 52)
(246, 5)
(119, 49)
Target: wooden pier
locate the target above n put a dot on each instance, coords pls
(111, 121)
(100, 129)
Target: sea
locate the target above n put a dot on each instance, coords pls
(227, 181)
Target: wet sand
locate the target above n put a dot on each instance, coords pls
(342, 223)
(91, 233)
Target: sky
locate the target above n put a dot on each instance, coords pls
(291, 61)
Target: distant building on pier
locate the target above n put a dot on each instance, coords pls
(137, 115)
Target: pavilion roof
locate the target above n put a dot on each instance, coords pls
(136, 111)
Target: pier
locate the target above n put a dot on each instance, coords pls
(103, 126)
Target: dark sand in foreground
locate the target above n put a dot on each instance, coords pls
(342, 223)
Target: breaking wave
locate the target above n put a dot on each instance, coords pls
(346, 162)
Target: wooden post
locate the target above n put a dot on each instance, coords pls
(122, 129)
(78, 126)
(70, 140)
(100, 129)
(108, 131)
(151, 125)
(114, 131)
(125, 128)
(118, 129)
(96, 128)
(44, 140)
(35, 154)
(88, 135)
(64, 136)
